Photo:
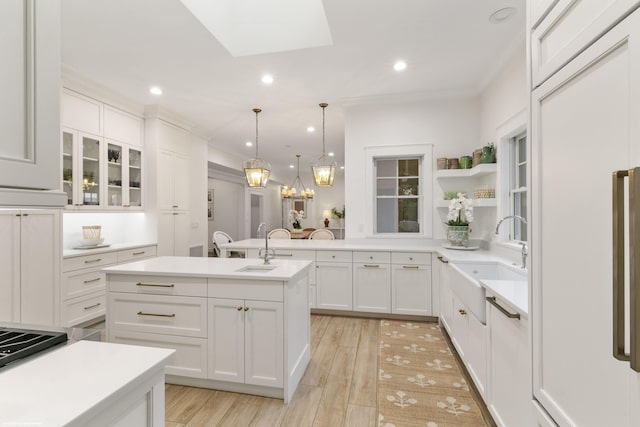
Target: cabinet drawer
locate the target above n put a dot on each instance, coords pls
(158, 285)
(334, 256)
(264, 290)
(76, 284)
(190, 359)
(372, 257)
(161, 314)
(295, 254)
(411, 258)
(137, 253)
(89, 261)
(82, 309)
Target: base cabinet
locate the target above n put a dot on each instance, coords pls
(173, 240)
(30, 266)
(411, 289)
(334, 285)
(509, 383)
(371, 287)
(246, 341)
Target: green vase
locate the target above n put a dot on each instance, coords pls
(458, 235)
(488, 154)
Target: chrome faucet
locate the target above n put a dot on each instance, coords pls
(524, 250)
(267, 257)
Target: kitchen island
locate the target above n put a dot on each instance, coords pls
(236, 324)
(86, 383)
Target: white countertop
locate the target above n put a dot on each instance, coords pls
(211, 267)
(513, 292)
(112, 247)
(66, 384)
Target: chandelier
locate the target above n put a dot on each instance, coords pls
(324, 168)
(297, 189)
(256, 170)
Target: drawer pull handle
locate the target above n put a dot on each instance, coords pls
(90, 261)
(492, 301)
(283, 254)
(371, 266)
(138, 253)
(415, 267)
(246, 309)
(410, 258)
(93, 306)
(174, 206)
(97, 279)
(442, 260)
(462, 312)
(156, 285)
(142, 313)
(239, 308)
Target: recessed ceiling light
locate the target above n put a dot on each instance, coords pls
(342, 167)
(155, 90)
(267, 79)
(400, 66)
(311, 129)
(330, 153)
(291, 166)
(249, 144)
(502, 15)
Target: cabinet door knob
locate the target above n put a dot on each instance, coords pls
(246, 309)
(462, 312)
(239, 308)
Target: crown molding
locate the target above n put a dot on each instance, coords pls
(156, 111)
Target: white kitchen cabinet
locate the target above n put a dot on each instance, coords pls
(123, 174)
(509, 382)
(446, 298)
(411, 283)
(83, 287)
(173, 181)
(172, 238)
(30, 87)
(372, 282)
(334, 280)
(587, 111)
(468, 335)
(122, 126)
(30, 266)
(246, 341)
(81, 113)
(568, 28)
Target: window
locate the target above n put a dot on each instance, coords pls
(398, 196)
(518, 185)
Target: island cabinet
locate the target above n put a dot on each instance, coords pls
(334, 280)
(232, 330)
(372, 282)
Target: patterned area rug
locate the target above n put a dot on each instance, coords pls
(419, 381)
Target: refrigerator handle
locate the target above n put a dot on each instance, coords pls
(618, 265)
(634, 259)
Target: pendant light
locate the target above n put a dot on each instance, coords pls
(256, 170)
(324, 168)
(297, 190)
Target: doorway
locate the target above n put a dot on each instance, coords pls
(257, 215)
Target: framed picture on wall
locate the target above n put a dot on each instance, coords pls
(210, 202)
(210, 196)
(300, 205)
(210, 213)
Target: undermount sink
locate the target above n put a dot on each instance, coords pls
(466, 277)
(261, 268)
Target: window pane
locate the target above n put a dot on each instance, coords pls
(386, 216)
(386, 187)
(386, 168)
(408, 216)
(408, 187)
(522, 150)
(522, 175)
(408, 167)
(520, 208)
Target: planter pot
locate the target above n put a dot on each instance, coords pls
(458, 235)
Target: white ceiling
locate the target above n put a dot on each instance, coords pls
(130, 45)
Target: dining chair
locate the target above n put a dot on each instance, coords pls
(321, 234)
(220, 238)
(279, 233)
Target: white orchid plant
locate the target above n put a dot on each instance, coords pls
(295, 217)
(460, 210)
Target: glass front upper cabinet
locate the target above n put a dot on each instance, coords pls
(135, 177)
(68, 164)
(90, 170)
(115, 174)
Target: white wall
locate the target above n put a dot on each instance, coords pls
(451, 125)
(199, 230)
(228, 199)
(117, 227)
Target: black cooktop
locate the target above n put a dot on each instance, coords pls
(19, 343)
